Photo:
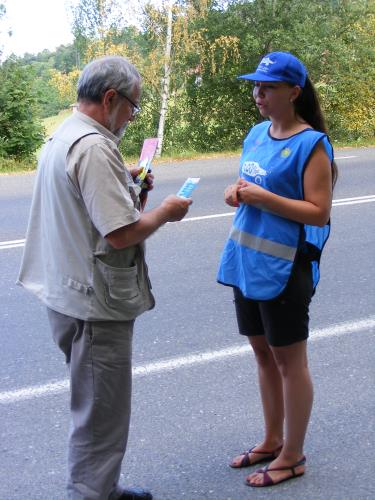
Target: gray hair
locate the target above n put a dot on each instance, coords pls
(108, 72)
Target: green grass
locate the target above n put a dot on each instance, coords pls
(52, 122)
(12, 166)
(360, 143)
(183, 156)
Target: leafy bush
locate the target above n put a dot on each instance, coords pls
(21, 132)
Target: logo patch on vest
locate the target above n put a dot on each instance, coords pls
(252, 169)
(285, 153)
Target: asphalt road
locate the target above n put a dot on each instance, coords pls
(195, 400)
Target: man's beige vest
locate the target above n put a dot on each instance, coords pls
(66, 262)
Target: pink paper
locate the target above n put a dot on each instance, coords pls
(148, 149)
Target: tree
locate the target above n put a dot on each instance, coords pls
(332, 38)
(95, 20)
(66, 85)
(51, 97)
(20, 131)
(166, 80)
(176, 59)
(189, 57)
(8, 31)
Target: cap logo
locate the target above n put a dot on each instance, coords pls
(279, 67)
(267, 61)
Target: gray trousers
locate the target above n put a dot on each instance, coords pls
(99, 358)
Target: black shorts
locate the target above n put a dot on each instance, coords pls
(285, 319)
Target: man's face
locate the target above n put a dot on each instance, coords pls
(124, 111)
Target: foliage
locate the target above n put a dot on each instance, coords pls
(96, 20)
(210, 110)
(20, 132)
(2, 14)
(347, 91)
(66, 85)
(335, 41)
(63, 60)
(213, 41)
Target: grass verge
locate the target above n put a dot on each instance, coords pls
(360, 143)
(52, 122)
(11, 166)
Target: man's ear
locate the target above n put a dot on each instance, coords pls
(108, 98)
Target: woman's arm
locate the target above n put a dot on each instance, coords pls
(317, 182)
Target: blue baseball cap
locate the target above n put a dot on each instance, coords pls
(279, 67)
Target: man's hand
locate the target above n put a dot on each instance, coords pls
(148, 181)
(175, 207)
(172, 209)
(135, 171)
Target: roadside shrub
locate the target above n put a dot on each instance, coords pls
(21, 132)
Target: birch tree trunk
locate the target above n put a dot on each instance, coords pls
(166, 81)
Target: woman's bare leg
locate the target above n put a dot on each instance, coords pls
(298, 397)
(271, 391)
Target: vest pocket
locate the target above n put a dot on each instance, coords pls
(124, 284)
(120, 285)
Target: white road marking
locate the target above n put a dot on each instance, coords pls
(354, 201)
(359, 202)
(203, 217)
(345, 157)
(13, 242)
(336, 203)
(359, 198)
(167, 365)
(4, 245)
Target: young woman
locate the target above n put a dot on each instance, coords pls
(271, 259)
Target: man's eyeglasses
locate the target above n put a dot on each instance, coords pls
(136, 109)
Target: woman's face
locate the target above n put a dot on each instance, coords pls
(274, 98)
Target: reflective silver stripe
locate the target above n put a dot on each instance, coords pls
(260, 244)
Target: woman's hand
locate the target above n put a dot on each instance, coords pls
(250, 193)
(243, 192)
(230, 195)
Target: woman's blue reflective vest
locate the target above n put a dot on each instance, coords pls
(259, 254)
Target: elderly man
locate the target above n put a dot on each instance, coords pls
(84, 258)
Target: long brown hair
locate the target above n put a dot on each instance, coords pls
(307, 106)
